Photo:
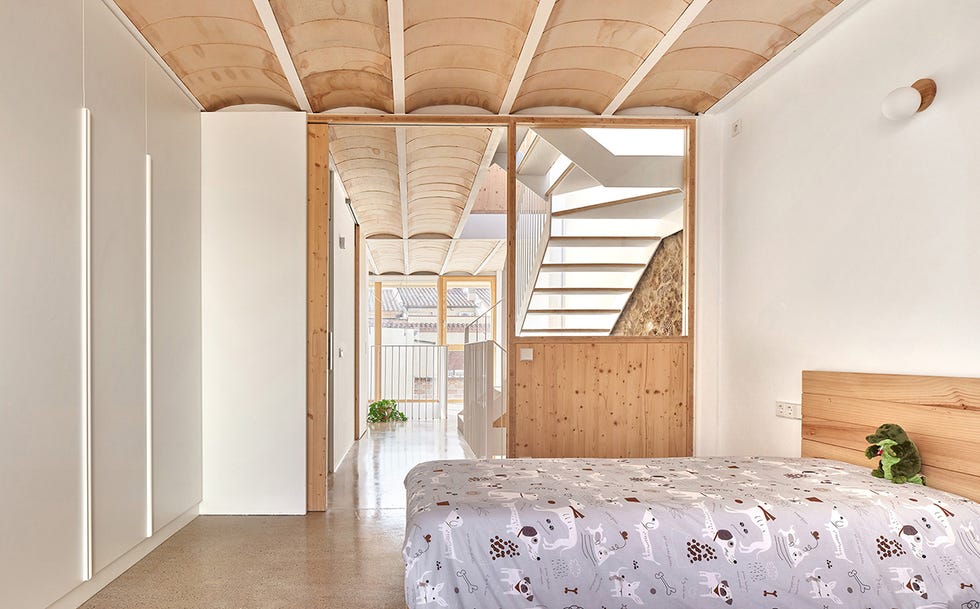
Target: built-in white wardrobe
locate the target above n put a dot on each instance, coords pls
(100, 312)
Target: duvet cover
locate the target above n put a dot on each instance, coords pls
(683, 533)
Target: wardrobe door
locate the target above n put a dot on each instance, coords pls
(115, 94)
(41, 491)
(174, 143)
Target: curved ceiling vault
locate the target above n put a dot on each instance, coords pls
(727, 42)
(442, 165)
(590, 49)
(462, 52)
(499, 55)
(411, 187)
(219, 49)
(341, 51)
(367, 161)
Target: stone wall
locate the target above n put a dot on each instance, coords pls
(656, 307)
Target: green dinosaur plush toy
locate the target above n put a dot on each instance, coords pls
(900, 460)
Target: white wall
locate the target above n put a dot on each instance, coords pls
(848, 242)
(343, 383)
(89, 60)
(253, 250)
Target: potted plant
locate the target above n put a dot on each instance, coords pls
(384, 414)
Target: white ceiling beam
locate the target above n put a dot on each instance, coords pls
(272, 29)
(496, 134)
(396, 34)
(489, 257)
(531, 41)
(449, 256)
(370, 257)
(401, 146)
(658, 52)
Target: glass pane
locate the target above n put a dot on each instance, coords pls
(600, 219)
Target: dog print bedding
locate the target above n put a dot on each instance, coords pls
(683, 533)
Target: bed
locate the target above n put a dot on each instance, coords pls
(727, 532)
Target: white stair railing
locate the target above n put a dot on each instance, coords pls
(484, 404)
(533, 231)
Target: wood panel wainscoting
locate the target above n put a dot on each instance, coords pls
(630, 398)
(940, 414)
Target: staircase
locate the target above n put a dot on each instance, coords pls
(592, 222)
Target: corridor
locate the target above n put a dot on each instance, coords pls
(347, 557)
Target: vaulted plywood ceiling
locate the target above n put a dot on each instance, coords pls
(412, 188)
(219, 49)
(726, 43)
(495, 56)
(436, 256)
(590, 49)
(341, 51)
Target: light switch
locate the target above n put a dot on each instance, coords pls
(527, 354)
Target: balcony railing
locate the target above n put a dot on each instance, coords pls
(415, 376)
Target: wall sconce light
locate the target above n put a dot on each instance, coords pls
(904, 102)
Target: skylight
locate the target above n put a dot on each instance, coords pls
(640, 142)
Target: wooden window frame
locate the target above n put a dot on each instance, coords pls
(318, 172)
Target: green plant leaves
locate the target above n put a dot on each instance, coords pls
(384, 411)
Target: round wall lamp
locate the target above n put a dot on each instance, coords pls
(904, 102)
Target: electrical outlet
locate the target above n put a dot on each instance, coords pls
(788, 410)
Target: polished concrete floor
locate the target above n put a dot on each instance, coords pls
(346, 558)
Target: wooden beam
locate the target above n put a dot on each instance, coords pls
(658, 52)
(317, 319)
(493, 303)
(396, 40)
(491, 120)
(358, 286)
(441, 311)
(511, 273)
(541, 16)
(272, 29)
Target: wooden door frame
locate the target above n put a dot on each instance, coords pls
(318, 203)
(357, 331)
(317, 313)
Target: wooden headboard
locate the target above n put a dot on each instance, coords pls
(941, 414)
